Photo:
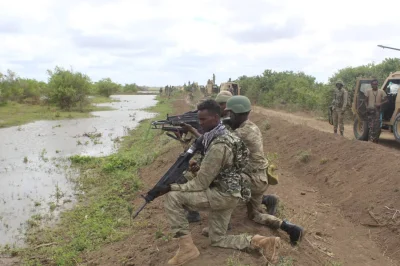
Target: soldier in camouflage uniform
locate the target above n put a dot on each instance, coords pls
(239, 108)
(218, 188)
(189, 138)
(221, 99)
(374, 98)
(339, 104)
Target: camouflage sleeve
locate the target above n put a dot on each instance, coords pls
(333, 97)
(217, 156)
(345, 93)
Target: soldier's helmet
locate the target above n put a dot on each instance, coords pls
(238, 104)
(223, 97)
(339, 81)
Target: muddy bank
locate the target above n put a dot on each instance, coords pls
(359, 179)
(331, 233)
(35, 175)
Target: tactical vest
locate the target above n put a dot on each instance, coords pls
(339, 98)
(230, 179)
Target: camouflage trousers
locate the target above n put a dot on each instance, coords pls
(374, 124)
(338, 116)
(259, 184)
(218, 219)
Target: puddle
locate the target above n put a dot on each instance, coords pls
(34, 172)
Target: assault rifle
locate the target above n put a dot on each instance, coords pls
(174, 123)
(173, 175)
(330, 114)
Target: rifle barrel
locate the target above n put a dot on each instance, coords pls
(139, 210)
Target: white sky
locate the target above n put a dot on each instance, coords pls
(159, 42)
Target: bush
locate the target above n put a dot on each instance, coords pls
(68, 89)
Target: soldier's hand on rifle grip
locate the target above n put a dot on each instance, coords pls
(193, 166)
(178, 134)
(190, 128)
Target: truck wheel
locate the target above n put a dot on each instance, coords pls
(396, 128)
(360, 130)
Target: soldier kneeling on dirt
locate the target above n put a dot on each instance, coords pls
(258, 170)
(218, 188)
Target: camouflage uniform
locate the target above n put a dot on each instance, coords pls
(374, 124)
(373, 113)
(339, 107)
(259, 172)
(256, 170)
(190, 138)
(217, 189)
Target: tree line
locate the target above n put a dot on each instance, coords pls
(65, 88)
(299, 91)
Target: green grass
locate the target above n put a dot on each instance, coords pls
(14, 114)
(103, 212)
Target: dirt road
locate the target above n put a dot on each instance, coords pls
(386, 138)
(344, 192)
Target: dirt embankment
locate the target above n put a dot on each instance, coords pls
(331, 189)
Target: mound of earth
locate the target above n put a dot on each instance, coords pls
(343, 192)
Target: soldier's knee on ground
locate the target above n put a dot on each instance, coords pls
(193, 216)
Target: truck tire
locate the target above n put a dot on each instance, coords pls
(396, 128)
(360, 130)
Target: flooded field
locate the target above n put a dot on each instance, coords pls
(34, 171)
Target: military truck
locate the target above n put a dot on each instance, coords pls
(230, 86)
(211, 88)
(203, 89)
(390, 112)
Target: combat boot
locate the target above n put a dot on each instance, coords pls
(193, 216)
(335, 131)
(295, 232)
(271, 202)
(269, 247)
(186, 251)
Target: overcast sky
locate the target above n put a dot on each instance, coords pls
(160, 42)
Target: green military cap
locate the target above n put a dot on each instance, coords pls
(339, 81)
(223, 97)
(238, 104)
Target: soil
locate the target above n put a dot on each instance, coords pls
(344, 192)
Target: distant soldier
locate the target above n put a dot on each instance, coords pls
(160, 91)
(221, 99)
(339, 104)
(374, 98)
(230, 89)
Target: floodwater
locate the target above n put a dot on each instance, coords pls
(35, 177)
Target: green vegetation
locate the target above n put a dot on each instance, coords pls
(13, 113)
(103, 211)
(299, 91)
(63, 96)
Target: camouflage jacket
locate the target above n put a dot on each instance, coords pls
(220, 171)
(340, 99)
(252, 137)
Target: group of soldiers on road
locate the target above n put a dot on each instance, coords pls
(231, 169)
(374, 99)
